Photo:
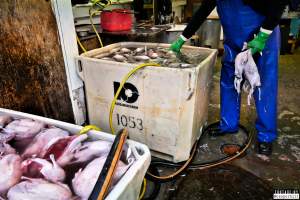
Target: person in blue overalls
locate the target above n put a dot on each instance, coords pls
(255, 22)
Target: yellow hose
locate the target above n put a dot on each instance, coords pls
(80, 44)
(181, 169)
(96, 3)
(94, 28)
(87, 128)
(144, 190)
(113, 103)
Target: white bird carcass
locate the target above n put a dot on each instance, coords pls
(24, 130)
(41, 168)
(39, 189)
(10, 172)
(43, 141)
(85, 180)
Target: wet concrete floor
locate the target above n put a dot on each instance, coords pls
(251, 176)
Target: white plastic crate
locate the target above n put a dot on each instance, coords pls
(164, 108)
(128, 187)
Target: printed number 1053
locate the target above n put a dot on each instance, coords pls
(130, 122)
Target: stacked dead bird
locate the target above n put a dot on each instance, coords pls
(159, 55)
(38, 161)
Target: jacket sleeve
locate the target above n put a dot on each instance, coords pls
(273, 14)
(199, 17)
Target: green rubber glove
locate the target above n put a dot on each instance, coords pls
(176, 46)
(258, 43)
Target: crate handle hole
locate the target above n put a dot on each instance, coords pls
(79, 66)
(139, 151)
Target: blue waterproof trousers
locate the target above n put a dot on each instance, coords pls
(240, 22)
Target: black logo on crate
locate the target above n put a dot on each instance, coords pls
(129, 94)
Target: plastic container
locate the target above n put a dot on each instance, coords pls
(164, 108)
(116, 20)
(129, 185)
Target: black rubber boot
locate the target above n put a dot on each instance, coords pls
(264, 148)
(214, 130)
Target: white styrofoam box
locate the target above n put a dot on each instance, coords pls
(162, 107)
(129, 185)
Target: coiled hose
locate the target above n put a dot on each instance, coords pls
(189, 165)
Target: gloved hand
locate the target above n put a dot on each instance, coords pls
(259, 42)
(176, 45)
